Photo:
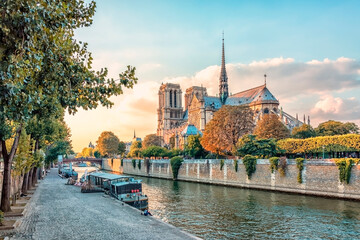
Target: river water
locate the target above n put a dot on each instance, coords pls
(218, 212)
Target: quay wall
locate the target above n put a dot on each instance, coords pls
(320, 177)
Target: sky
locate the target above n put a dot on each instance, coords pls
(308, 49)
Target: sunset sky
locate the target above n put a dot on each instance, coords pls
(309, 50)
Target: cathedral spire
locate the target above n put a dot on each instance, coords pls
(223, 80)
(134, 134)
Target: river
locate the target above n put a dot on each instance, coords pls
(218, 212)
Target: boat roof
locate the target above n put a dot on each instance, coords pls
(109, 176)
(124, 183)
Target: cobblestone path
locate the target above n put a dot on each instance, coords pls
(59, 211)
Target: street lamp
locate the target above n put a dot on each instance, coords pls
(323, 147)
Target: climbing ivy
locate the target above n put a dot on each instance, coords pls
(139, 164)
(176, 163)
(282, 164)
(236, 165)
(221, 164)
(300, 166)
(250, 164)
(345, 165)
(133, 163)
(274, 161)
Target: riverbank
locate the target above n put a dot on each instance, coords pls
(59, 211)
(319, 178)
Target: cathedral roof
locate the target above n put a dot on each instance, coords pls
(260, 93)
(214, 102)
(190, 130)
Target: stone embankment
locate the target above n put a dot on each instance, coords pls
(320, 177)
(59, 211)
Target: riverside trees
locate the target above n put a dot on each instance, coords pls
(43, 69)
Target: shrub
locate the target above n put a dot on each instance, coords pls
(300, 166)
(274, 161)
(221, 164)
(236, 165)
(250, 164)
(139, 164)
(282, 166)
(345, 165)
(122, 162)
(133, 163)
(175, 166)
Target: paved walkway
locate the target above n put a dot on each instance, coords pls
(59, 211)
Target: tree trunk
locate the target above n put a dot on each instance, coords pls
(5, 193)
(34, 179)
(29, 183)
(24, 187)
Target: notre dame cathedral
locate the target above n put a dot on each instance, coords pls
(177, 122)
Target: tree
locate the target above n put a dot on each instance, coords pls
(151, 140)
(97, 154)
(331, 128)
(43, 68)
(135, 149)
(227, 126)
(193, 146)
(87, 152)
(108, 144)
(250, 145)
(304, 131)
(269, 126)
(154, 151)
(121, 148)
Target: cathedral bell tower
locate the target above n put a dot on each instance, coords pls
(223, 80)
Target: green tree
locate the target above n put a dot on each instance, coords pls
(227, 126)
(193, 147)
(250, 145)
(42, 68)
(154, 151)
(108, 144)
(269, 126)
(97, 154)
(304, 131)
(121, 148)
(151, 140)
(331, 128)
(135, 149)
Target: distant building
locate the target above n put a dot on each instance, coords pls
(128, 144)
(91, 145)
(174, 121)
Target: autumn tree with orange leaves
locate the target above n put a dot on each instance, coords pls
(227, 126)
(269, 126)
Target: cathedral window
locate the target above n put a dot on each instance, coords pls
(266, 110)
(175, 98)
(171, 98)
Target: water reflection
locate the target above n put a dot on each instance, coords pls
(217, 212)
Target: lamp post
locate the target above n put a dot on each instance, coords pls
(323, 147)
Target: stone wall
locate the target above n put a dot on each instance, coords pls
(320, 177)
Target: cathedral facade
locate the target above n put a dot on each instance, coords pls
(176, 122)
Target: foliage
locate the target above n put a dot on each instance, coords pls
(304, 131)
(122, 162)
(108, 144)
(139, 164)
(24, 158)
(236, 165)
(175, 152)
(87, 152)
(331, 128)
(57, 148)
(121, 148)
(345, 165)
(154, 151)
(151, 140)
(176, 163)
(300, 166)
(135, 149)
(342, 143)
(269, 126)
(250, 165)
(193, 146)
(274, 162)
(222, 164)
(226, 127)
(250, 145)
(133, 163)
(282, 165)
(97, 154)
